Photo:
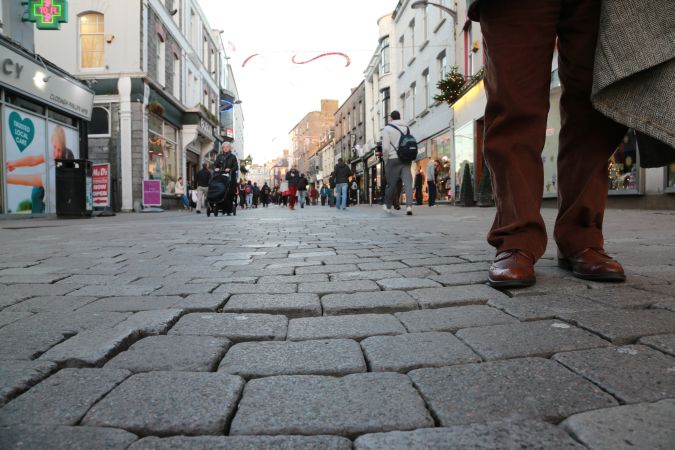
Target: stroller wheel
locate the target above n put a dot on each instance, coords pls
(208, 212)
(215, 212)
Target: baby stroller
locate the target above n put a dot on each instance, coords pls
(219, 197)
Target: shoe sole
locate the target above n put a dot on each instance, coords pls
(510, 283)
(608, 277)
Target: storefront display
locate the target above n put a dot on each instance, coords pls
(549, 155)
(464, 155)
(670, 178)
(441, 149)
(162, 154)
(623, 173)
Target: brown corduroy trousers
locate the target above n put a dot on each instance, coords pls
(519, 38)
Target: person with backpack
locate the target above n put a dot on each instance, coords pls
(293, 178)
(302, 189)
(342, 173)
(265, 195)
(399, 150)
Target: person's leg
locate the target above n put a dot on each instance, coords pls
(345, 188)
(393, 172)
(406, 178)
(587, 138)
(292, 193)
(519, 41)
(302, 199)
(338, 195)
(431, 187)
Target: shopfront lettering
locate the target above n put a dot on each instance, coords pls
(9, 67)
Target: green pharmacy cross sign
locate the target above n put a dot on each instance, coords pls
(48, 14)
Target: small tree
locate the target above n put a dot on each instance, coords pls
(485, 188)
(450, 87)
(467, 187)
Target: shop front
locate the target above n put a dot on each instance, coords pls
(375, 179)
(43, 116)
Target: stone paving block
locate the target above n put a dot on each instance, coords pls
(7, 300)
(247, 288)
(367, 275)
(262, 359)
(116, 290)
(89, 348)
(660, 289)
(289, 305)
(66, 322)
(383, 265)
(347, 406)
(465, 267)
(172, 353)
(665, 304)
(334, 287)
(50, 304)
(452, 319)
(244, 443)
(32, 279)
(633, 374)
(493, 435)
(329, 268)
(262, 273)
(528, 387)
(406, 352)
(7, 317)
(132, 304)
(461, 279)
(625, 297)
(367, 302)
(60, 437)
(202, 302)
(455, 296)
(17, 376)
(235, 327)
(643, 426)
(624, 326)
(545, 306)
(27, 344)
(431, 262)
(551, 280)
(662, 342)
(344, 327)
(62, 399)
(406, 283)
(541, 338)
(151, 322)
(185, 289)
(415, 272)
(169, 403)
(97, 279)
(14, 293)
(307, 278)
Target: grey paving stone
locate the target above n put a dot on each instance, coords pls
(643, 426)
(96, 279)
(625, 297)
(289, 305)
(493, 435)
(151, 322)
(132, 304)
(406, 352)
(27, 344)
(624, 326)
(455, 296)
(172, 353)
(199, 403)
(244, 443)
(383, 265)
(50, 304)
(235, 327)
(344, 327)
(185, 288)
(17, 376)
(541, 338)
(662, 342)
(465, 267)
(367, 275)
(307, 278)
(545, 306)
(415, 272)
(262, 273)
(407, 283)
(367, 302)
(17, 292)
(334, 287)
(201, 302)
(247, 288)
(65, 322)
(7, 317)
(60, 437)
(431, 262)
(461, 279)
(633, 374)
(329, 268)
(665, 304)
(238, 278)
(551, 280)
(452, 319)
(89, 348)
(116, 290)
(63, 398)
(312, 405)
(262, 359)
(32, 279)
(527, 387)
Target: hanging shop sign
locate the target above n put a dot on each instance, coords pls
(48, 14)
(101, 185)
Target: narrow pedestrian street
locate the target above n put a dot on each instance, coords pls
(325, 329)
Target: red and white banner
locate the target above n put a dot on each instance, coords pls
(101, 185)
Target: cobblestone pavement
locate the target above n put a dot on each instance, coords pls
(327, 329)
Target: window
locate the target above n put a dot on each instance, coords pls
(162, 154)
(194, 29)
(468, 53)
(403, 116)
(161, 60)
(425, 22)
(443, 68)
(425, 79)
(176, 16)
(384, 55)
(99, 126)
(401, 44)
(385, 104)
(205, 52)
(413, 98)
(92, 52)
(176, 76)
(411, 28)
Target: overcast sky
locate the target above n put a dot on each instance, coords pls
(276, 94)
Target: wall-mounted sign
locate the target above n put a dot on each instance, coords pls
(229, 132)
(48, 14)
(101, 185)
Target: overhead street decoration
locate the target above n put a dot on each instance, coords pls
(48, 14)
(295, 60)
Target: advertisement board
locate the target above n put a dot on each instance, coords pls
(152, 193)
(101, 185)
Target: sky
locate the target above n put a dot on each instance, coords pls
(276, 93)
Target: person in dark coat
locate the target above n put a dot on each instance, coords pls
(419, 182)
(228, 164)
(293, 178)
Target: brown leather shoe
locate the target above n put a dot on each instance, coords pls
(593, 264)
(512, 269)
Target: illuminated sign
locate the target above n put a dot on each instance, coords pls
(48, 14)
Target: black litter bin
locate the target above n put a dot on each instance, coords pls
(73, 188)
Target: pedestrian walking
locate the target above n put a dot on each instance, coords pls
(519, 42)
(302, 189)
(202, 180)
(293, 178)
(354, 193)
(242, 193)
(256, 194)
(265, 195)
(324, 193)
(419, 183)
(331, 189)
(314, 195)
(249, 194)
(396, 169)
(432, 171)
(227, 163)
(342, 173)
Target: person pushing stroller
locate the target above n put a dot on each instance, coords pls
(228, 165)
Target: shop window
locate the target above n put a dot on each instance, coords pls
(99, 126)
(464, 155)
(24, 103)
(162, 153)
(670, 178)
(92, 42)
(623, 166)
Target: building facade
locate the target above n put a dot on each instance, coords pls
(305, 137)
(350, 133)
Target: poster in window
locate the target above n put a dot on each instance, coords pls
(64, 143)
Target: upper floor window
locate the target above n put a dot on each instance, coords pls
(427, 92)
(401, 44)
(425, 22)
(468, 51)
(161, 60)
(92, 41)
(411, 28)
(384, 55)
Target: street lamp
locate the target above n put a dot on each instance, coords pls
(423, 3)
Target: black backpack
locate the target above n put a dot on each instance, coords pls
(407, 145)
